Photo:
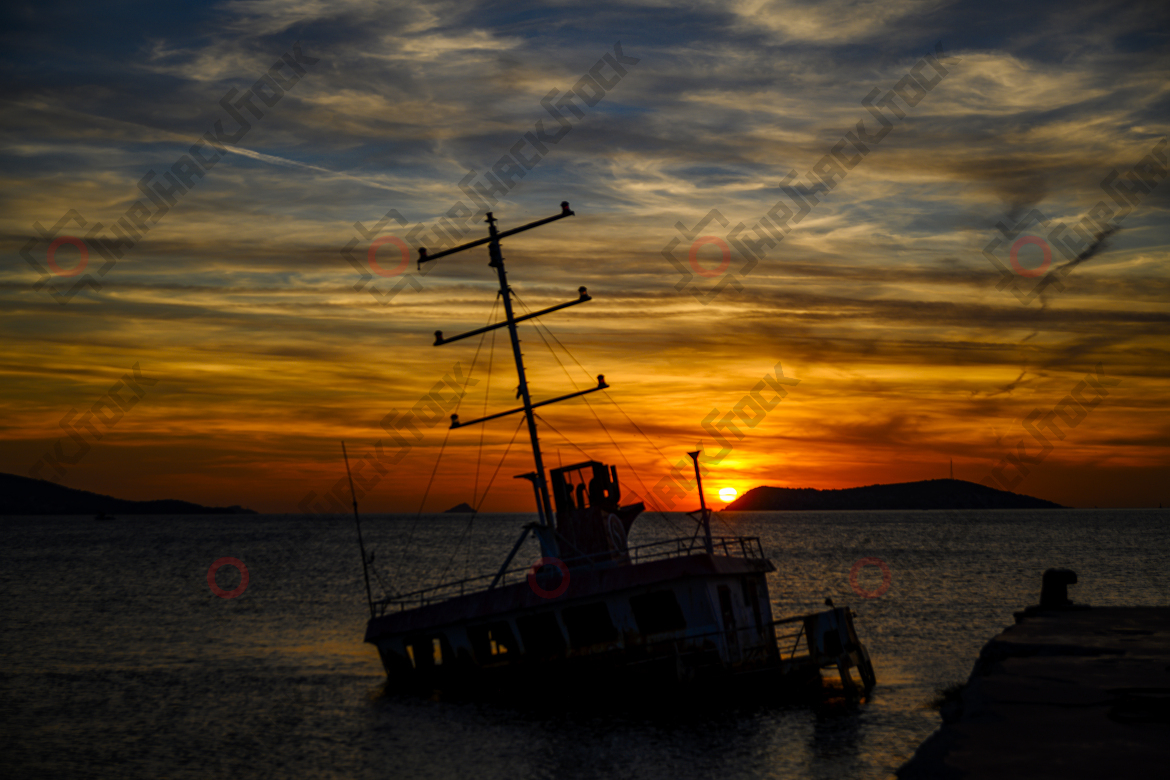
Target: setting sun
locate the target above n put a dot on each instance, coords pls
(728, 494)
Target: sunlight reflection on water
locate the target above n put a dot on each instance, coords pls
(118, 659)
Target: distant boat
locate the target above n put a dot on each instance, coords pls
(594, 613)
(103, 516)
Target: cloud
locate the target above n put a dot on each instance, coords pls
(880, 298)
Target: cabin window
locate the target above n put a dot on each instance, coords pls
(589, 624)
(422, 657)
(491, 640)
(541, 635)
(658, 613)
(429, 652)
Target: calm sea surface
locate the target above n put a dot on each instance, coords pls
(119, 661)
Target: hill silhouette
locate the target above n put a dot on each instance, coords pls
(26, 496)
(928, 494)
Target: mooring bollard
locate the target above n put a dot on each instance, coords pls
(1054, 588)
(1053, 594)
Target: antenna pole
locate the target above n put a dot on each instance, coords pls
(357, 520)
(497, 262)
(703, 504)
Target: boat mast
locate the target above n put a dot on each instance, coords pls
(497, 262)
(539, 481)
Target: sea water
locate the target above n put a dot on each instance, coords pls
(119, 660)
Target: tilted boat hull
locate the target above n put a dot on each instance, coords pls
(695, 621)
(597, 612)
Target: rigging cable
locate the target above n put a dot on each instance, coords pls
(458, 403)
(486, 393)
(538, 324)
(470, 520)
(648, 497)
(377, 576)
(607, 395)
(563, 436)
(475, 500)
(674, 527)
(613, 400)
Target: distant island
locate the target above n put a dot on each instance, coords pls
(928, 494)
(26, 496)
(461, 508)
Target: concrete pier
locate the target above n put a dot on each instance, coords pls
(1068, 692)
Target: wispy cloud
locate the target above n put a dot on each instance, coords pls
(880, 300)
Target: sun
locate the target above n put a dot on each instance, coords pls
(728, 494)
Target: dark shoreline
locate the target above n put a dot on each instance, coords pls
(27, 496)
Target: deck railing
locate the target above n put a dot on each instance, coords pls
(793, 630)
(727, 546)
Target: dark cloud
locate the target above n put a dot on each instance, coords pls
(881, 296)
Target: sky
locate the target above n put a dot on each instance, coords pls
(913, 292)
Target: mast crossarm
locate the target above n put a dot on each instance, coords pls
(424, 257)
(548, 543)
(439, 340)
(601, 385)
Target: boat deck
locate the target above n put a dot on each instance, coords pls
(471, 598)
(725, 546)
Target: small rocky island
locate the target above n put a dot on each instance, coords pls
(26, 496)
(927, 494)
